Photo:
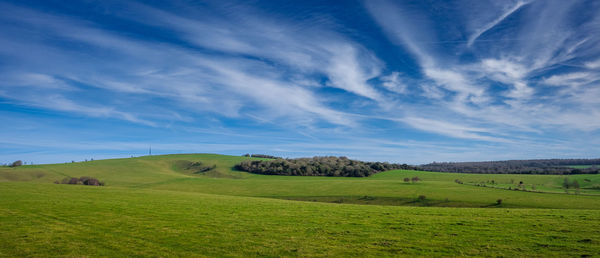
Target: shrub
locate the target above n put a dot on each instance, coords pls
(406, 179)
(415, 179)
(84, 180)
(499, 201)
(91, 181)
(16, 164)
(422, 198)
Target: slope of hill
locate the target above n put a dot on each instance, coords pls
(164, 205)
(440, 189)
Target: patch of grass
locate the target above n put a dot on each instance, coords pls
(581, 166)
(161, 173)
(72, 220)
(158, 206)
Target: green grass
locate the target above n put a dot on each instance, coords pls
(581, 166)
(152, 207)
(68, 220)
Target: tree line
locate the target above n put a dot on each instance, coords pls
(317, 166)
(265, 156)
(537, 166)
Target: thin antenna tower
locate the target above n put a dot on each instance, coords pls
(150, 150)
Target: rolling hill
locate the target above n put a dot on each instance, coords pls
(163, 205)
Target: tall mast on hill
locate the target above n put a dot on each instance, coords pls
(150, 150)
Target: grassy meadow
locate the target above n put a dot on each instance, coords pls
(153, 206)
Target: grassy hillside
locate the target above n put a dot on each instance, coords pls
(388, 188)
(154, 206)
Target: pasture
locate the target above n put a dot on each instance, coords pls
(153, 206)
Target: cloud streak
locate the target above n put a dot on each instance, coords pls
(472, 74)
(493, 23)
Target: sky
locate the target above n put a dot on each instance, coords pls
(399, 81)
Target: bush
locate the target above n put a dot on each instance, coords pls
(91, 181)
(499, 201)
(422, 198)
(406, 179)
(16, 164)
(84, 180)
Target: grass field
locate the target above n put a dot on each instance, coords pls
(151, 206)
(581, 166)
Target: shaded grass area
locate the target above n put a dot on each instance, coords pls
(393, 201)
(71, 220)
(435, 191)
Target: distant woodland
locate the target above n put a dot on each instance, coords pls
(537, 166)
(342, 166)
(261, 156)
(317, 166)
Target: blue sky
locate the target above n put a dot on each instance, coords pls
(401, 81)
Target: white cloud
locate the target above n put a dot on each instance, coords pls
(393, 83)
(205, 82)
(315, 49)
(451, 129)
(247, 65)
(28, 79)
(60, 103)
(571, 79)
(495, 22)
(511, 73)
(593, 64)
(543, 41)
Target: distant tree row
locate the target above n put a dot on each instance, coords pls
(538, 166)
(317, 166)
(261, 156)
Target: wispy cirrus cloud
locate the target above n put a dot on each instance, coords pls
(487, 26)
(481, 75)
(500, 86)
(216, 83)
